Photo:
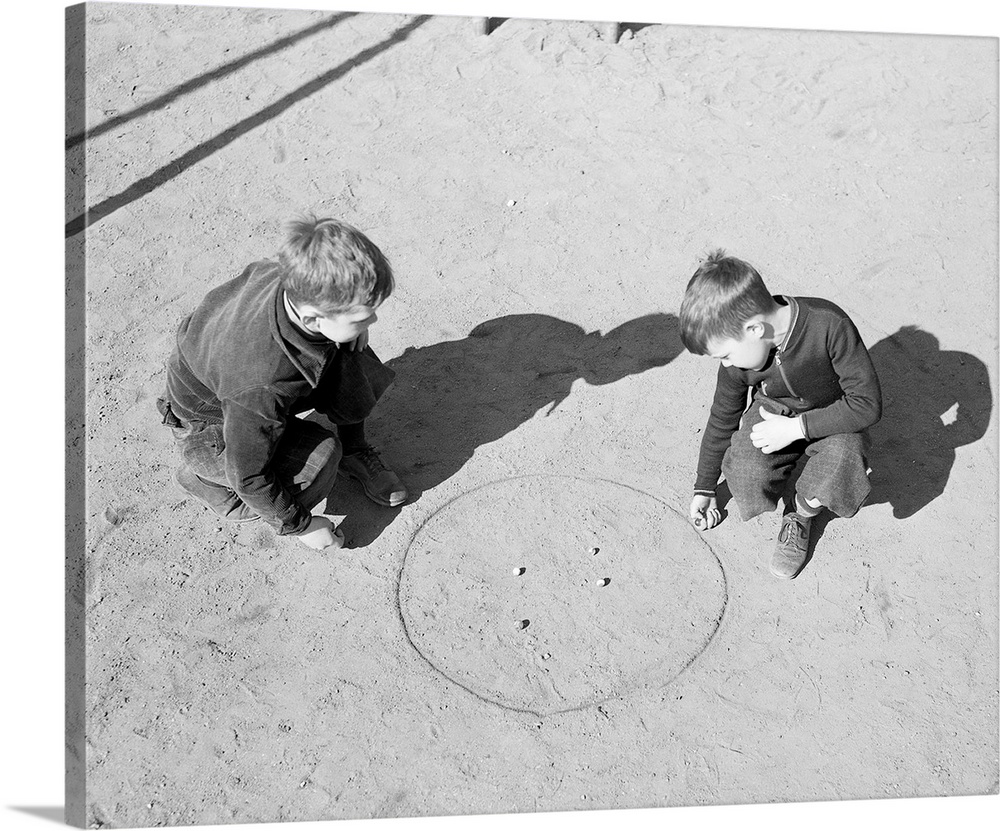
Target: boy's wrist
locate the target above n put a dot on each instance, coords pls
(800, 426)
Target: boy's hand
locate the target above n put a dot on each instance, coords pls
(704, 512)
(321, 534)
(359, 343)
(775, 432)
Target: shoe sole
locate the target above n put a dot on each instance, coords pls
(793, 575)
(786, 576)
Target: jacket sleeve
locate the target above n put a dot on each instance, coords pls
(860, 406)
(252, 427)
(724, 419)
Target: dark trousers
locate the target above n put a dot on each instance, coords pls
(835, 471)
(305, 461)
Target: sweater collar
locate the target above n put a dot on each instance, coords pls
(309, 356)
(794, 324)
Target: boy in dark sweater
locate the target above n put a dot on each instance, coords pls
(813, 390)
(282, 339)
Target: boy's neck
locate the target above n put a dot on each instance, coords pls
(293, 315)
(778, 321)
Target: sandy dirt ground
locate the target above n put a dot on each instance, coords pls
(543, 193)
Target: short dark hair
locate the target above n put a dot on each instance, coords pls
(332, 266)
(723, 294)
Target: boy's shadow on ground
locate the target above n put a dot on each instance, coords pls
(932, 403)
(452, 397)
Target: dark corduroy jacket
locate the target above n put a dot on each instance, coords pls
(240, 362)
(822, 372)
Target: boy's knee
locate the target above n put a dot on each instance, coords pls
(328, 452)
(308, 453)
(746, 470)
(325, 460)
(841, 445)
(316, 477)
(332, 463)
(741, 447)
(849, 441)
(745, 460)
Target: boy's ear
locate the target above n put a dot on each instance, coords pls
(309, 321)
(754, 328)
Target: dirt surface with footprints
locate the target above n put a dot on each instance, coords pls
(539, 628)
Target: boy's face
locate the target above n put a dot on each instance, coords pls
(342, 326)
(751, 351)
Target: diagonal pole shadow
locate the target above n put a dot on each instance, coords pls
(204, 79)
(197, 154)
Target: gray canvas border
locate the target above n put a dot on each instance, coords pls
(75, 451)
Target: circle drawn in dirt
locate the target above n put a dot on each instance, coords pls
(621, 593)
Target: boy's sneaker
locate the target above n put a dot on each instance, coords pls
(381, 484)
(792, 550)
(219, 498)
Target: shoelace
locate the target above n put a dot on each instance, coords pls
(371, 460)
(786, 529)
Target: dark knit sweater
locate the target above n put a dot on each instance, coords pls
(240, 362)
(821, 372)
